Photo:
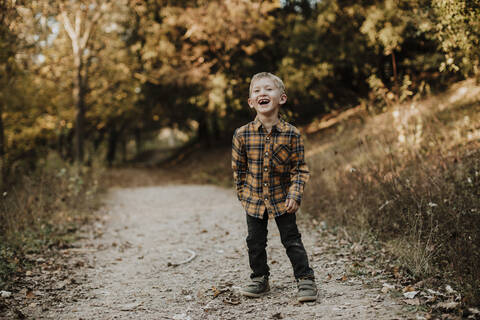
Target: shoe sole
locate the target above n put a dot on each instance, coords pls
(307, 299)
(254, 295)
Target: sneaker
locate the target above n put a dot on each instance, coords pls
(256, 288)
(307, 290)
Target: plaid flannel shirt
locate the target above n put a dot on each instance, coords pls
(268, 168)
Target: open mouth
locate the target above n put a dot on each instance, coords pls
(263, 101)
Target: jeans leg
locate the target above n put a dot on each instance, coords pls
(257, 243)
(292, 241)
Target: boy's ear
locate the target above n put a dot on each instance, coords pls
(283, 98)
(250, 102)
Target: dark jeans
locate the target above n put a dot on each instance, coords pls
(291, 240)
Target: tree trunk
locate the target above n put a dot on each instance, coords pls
(395, 80)
(204, 130)
(112, 146)
(216, 134)
(98, 140)
(124, 149)
(138, 140)
(60, 144)
(2, 146)
(79, 99)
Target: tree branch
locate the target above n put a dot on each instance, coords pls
(91, 24)
(78, 22)
(68, 26)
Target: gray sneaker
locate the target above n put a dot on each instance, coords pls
(307, 290)
(256, 288)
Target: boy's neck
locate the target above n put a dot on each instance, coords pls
(268, 121)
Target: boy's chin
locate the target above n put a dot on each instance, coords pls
(267, 108)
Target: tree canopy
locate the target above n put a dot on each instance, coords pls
(87, 78)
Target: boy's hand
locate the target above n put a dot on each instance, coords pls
(291, 205)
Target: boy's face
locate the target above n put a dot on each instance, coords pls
(265, 97)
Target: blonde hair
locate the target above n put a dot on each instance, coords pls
(276, 81)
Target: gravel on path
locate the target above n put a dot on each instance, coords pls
(179, 252)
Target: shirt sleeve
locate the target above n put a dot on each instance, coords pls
(239, 163)
(299, 173)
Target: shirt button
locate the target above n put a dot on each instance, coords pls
(265, 184)
(268, 138)
(265, 169)
(266, 154)
(266, 199)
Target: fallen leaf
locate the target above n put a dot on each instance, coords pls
(410, 294)
(434, 292)
(396, 272)
(216, 292)
(408, 289)
(387, 287)
(30, 294)
(343, 278)
(474, 311)
(446, 305)
(5, 294)
(28, 273)
(449, 289)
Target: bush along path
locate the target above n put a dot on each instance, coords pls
(179, 252)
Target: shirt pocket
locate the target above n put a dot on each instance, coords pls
(281, 155)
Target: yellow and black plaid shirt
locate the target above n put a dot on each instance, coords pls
(268, 168)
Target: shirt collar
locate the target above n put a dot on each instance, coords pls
(280, 126)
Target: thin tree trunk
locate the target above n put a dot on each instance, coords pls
(203, 132)
(138, 140)
(395, 80)
(112, 146)
(79, 98)
(2, 146)
(124, 149)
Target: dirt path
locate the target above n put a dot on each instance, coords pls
(131, 272)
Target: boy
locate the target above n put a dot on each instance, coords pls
(270, 172)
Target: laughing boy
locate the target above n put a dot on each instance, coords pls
(270, 173)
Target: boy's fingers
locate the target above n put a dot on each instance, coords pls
(288, 204)
(291, 205)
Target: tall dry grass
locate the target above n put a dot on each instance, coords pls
(41, 209)
(411, 178)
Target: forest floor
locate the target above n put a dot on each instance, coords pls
(178, 251)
